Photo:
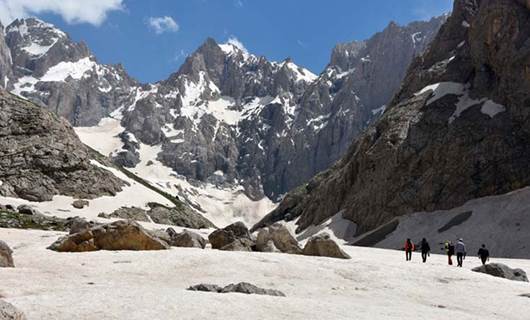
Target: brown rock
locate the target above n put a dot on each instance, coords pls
(80, 204)
(119, 235)
(322, 245)
(187, 239)
(280, 237)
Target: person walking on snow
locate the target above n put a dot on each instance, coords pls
(425, 249)
(483, 254)
(409, 247)
(460, 249)
(450, 250)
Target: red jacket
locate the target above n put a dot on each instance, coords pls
(409, 247)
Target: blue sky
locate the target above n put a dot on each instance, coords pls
(152, 37)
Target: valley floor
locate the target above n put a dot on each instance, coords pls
(374, 284)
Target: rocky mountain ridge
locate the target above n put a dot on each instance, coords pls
(456, 131)
(245, 128)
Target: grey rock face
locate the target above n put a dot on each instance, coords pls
(43, 157)
(242, 287)
(395, 168)
(6, 256)
(186, 239)
(38, 47)
(6, 64)
(502, 271)
(323, 246)
(9, 312)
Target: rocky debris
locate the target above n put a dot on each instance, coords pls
(9, 312)
(393, 169)
(15, 220)
(25, 209)
(242, 287)
(6, 256)
(42, 156)
(181, 216)
(128, 213)
(80, 204)
(502, 271)
(234, 237)
(119, 235)
(186, 239)
(323, 246)
(280, 237)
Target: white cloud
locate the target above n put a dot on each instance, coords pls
(238, 3)
(179, 55)
(72, 11)
(163, 24)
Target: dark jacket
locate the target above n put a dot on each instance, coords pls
(425, 247)
(483, 253)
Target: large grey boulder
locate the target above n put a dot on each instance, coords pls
(322, 245)
(119, 235)
(186, 239)
(281, 239)
(9, 312)
(502, 271)
(6, 256)
(26, 209)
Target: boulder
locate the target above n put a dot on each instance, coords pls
(242, 287)
(78, 225)
(9, 312)
(280, 237)
(119, 235)
(15, 220)
(247, 288)
(6, 256)
(322, 245)
(186, 239)
(502, 271)
(223, 238)
(241, 244)
(80, 204)
(25, 209)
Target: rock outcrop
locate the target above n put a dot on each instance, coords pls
(119, 235)
(6, 256)
(323, 246)
(42, 156)
(242, 287)
(502, 271)
(15, 220)
(455, 131)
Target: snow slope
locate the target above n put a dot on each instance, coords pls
(375, 284)
(220, 204)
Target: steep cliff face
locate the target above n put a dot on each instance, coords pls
(457, 130)
(5, 60)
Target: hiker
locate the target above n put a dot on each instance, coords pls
(460, 249)
(425, 250)
(409, 247)
(483, 254)
(450, 250)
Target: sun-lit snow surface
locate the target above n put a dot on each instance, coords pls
(61, 206)
(501, 222)
(221, 205)
(375, 284)
(440, 90)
